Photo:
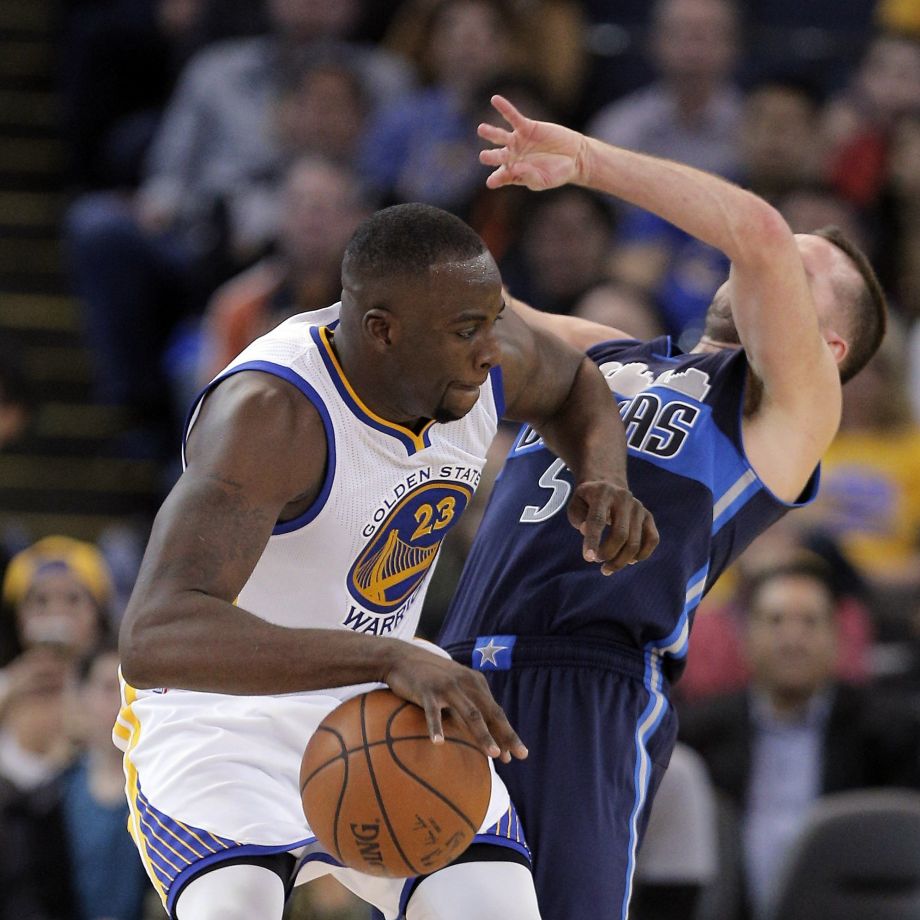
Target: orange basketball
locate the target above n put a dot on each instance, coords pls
(382, 798)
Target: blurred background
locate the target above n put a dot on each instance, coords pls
(177, 176)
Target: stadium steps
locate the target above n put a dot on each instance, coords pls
(66, 476)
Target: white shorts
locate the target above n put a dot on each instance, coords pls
(213, 777)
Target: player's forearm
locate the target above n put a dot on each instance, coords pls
(713, 210)
(587, 431)
(197, 642)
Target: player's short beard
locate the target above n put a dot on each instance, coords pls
(720, 326)
(443, 415)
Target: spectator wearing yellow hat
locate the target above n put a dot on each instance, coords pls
(58, 592)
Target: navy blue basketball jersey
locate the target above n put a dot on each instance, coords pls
(525, 575)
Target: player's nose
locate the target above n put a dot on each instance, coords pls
(489, 353)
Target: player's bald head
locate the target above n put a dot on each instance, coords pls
(404, 243)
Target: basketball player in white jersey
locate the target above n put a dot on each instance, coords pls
(287, 568)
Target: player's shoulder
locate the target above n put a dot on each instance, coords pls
(251, 407)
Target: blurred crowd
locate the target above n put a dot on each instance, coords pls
(221, 152)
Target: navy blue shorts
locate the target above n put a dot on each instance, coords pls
(596, 719)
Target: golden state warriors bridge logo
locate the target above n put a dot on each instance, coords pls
(405, 545)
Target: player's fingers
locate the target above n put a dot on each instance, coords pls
(507, 738)
(470, 714)
(592, 529)
(497, 722)
(632, 519)
(494, 134)
(507, 111)
(650, 537)
(500, 177)
(432, 709)
(497, 156)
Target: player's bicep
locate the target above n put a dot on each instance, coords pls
(778, 326)
(538, 370)
(254, 448)
(207, 538)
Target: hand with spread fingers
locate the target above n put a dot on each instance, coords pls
(437, 683)
(537, 154)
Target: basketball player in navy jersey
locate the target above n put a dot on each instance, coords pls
(287, 568)
(722, 442)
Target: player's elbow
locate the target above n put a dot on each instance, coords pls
(141, 650)
(762, 233)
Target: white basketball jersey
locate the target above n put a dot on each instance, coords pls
(359, 558)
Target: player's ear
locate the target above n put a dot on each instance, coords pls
(378, 323)
(837, 344)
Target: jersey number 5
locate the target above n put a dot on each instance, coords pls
(561, 490)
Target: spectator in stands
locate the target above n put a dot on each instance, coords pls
(870, 490)
(780, 137)
(621, 306)
(107, 876)
(64, 852)
(858, 123)
(17, 403)
(33, 855)
(120, 63)
(797, 733)
(692, 113)
(321, 206)
(717, 662)
(549, 48)
(139, 265)
(565, 240)
(58, 591)
(324, 105)
(778, 152)
(424, 148)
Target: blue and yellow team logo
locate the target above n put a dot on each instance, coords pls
(405, 545)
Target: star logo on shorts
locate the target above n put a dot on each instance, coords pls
(489, 652)
(495, 652)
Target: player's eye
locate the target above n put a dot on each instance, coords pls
(467, 333)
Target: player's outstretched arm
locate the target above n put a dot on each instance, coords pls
(564, 396)
(257, 447)
(772, 305)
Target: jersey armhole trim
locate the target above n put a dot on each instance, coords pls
(292, 377)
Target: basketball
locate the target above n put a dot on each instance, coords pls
(382, 798)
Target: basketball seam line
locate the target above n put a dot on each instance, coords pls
(373, 776)
(347, 752)
(419, 780)
(338, 804)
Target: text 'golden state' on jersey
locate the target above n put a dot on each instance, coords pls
(359, 558)
(683, 418)
(362, 555)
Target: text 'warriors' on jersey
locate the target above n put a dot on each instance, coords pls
(361, 557)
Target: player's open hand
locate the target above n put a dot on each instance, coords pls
(617, 528)
(437, 683)
(538, 154)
